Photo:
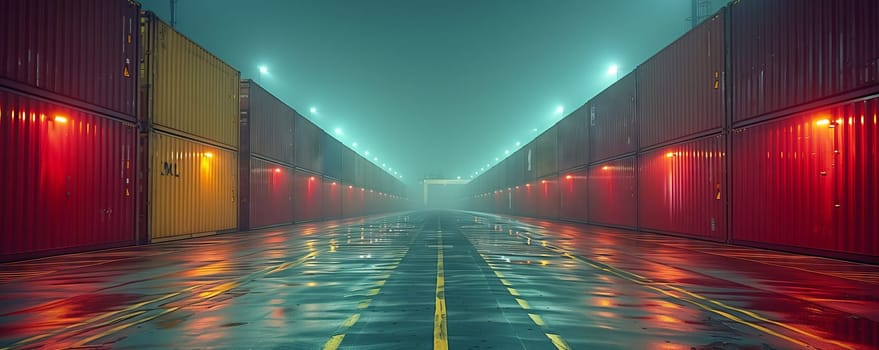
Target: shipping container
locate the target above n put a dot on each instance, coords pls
(611, 193)
(348, 164)
(78, 53)
(682, 191)
(680, 89)
(308, 196)
(308, 139)
(332, 200)
(270, 200)
(266, 124)
(193, 188)
(573, 140)
(792, 53)
(546, 153)
(808, 182)
(361, 166)
(517, 167)
(573, 195)
(186, 90)
(71, 180)
(353, 201)
(612, 128)
(547, 197)
(332, 149)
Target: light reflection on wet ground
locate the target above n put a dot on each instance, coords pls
(374, 284)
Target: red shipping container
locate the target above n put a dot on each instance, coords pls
(308, 138)
(808, 182)
(681, 189)
(611, 193)
(308, 196)
(680, 89)
(612, 121)
(332, 199)
(353, 201)
(271, 194)
(573, 140)
(546, 203)
(790, 53)
(83, 53)
(266, 124)
(73, 184)
(573, 195)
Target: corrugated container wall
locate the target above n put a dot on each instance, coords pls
(189, 90)
(271, 123)
(573, 135)
(271, 194)
(308, 139)
(547, 204)
(349, 161)
(612, 121)
(193, 188)
(573, 195)
(680, 89)
(308, 196)
(332, 200)
(86, 52)
(546, 153)
(681, 189)
(332, 149)
(352, 201)
(612, 193)
(70, 184)
(789, 53)
(809, 181)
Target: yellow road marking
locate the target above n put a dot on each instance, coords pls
(334, 342)
(537, 320)
(505, 282)
(373, 292)
(558, 341)
(523, 303)
(364, 304)
(440, 328)
(513, 292)
(351, 320)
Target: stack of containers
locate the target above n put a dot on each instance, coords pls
(190, 110)
(265, 158)
(67, 125)
(573, 155)
(804, 112)
(308, 181)
(612, 147)
(681, 167)
(332, 166)
(545, 159)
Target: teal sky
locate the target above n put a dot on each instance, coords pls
(432, 88)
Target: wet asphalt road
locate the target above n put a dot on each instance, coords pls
(439, 279)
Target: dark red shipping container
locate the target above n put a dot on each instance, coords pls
(612, 128)
(308, 138)
(808, 182)
(681, 189)
(308, 196)
(611, 193)
(271, 198)
(82, 53)
(680, 89)
(270, 123)
(71, 182)
(353, 201)
(573, 195)
(332, 200)
(573, 140)
(547, 197)
(790, 53)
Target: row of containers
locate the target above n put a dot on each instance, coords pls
(757, 127)
(117, 130)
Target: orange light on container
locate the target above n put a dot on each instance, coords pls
(334, 183)
(670, 154)
(569, 177)
(277, 170)
(823, 122)
(605, 167)
(527, 185)
(60, 119)
(311, 178)
(350, 187)
(543, 181)
(208, 155)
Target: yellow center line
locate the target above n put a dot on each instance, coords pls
(440, 328)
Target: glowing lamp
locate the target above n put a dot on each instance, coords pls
(823, 122)
(277, 170)
(670, 154)
(60, 119)
(208, 155)
(569, 177)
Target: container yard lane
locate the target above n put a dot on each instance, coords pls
(440, 280)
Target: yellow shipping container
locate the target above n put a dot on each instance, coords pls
(193, 188)
(188, 89)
